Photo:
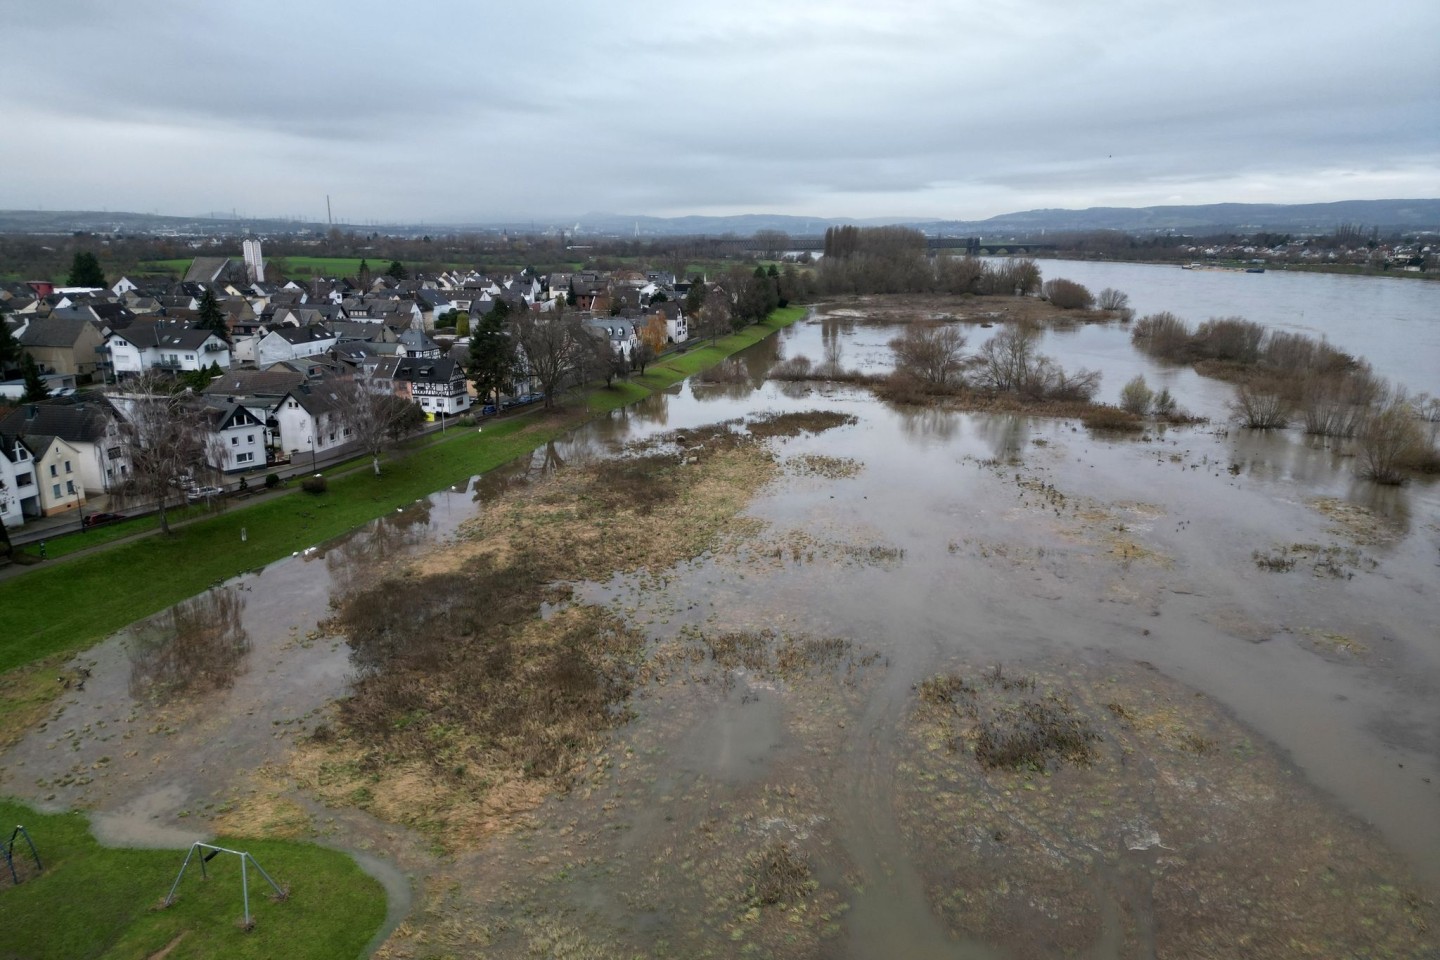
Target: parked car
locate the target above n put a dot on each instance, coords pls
(100, 519)
(488, 410)
(203, 493)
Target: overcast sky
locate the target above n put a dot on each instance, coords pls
(468, 111)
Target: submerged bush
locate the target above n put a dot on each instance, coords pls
(1390, 440)
(1260, 407)
(1136, 397)
(1068, 295)
(314, 484)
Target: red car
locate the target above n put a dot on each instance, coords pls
(100, 519)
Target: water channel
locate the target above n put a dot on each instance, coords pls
(935, 548)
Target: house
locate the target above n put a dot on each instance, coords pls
(291, 343)
(239, 436)
(19, 491)
(65, 343)
(437, 385)
(414, 343)
(89, 428)
(165, 345)
(677, 329)
(308, 419)
(619, 331)
(58, 485)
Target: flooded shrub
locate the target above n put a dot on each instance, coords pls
(1334, 403)
(1068, 295)
(1164, 403)
(315, 484)
(1111, 418)
(1136, 397)
(1390, 440)
(1276, 562)
(796, 368)
(778, 875)
(930, 353)
(1234, 339)
(1010, 362)
(1260, 407)
(1115, 301)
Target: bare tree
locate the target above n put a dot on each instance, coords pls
(168, 440)
(374, 419)
(932, 354)
(551, 347)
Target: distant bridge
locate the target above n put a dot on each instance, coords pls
(975, 246)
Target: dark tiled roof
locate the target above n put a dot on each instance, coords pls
(274, 382)
(82, 422)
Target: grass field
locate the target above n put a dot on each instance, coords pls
(57, 608)
(94, 901)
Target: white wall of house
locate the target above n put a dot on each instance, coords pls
(57, 476)
(238, 447)
(11, 514)
(274, 348)
(129, 360)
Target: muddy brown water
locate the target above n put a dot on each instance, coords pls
(952, 541)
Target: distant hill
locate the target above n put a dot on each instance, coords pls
(1416, 215)
(1214, 218)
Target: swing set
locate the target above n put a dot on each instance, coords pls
(7, 850)
(246, 861)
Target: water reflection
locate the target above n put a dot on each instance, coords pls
(1006, 434)
(196, 646)
(927, 423)
(358, 557)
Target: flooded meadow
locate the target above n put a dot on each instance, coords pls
(775, 669)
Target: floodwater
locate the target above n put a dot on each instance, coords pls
(934, 541)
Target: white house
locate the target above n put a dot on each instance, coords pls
(19, 493)
(308, 420)
(238, 437)
(89, 427)
(292, 343)
(165, 345)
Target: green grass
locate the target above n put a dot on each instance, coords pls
(63, 607)
(295, 267)
(94, 901)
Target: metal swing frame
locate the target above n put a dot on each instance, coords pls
(245, 860)
(7, 850)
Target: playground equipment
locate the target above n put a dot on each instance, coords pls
(245, 861)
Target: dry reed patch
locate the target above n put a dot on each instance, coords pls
(1356, 523)
(1177, 828)
(820, 465)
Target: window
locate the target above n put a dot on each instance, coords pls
(24, 479)
(249, 438)
(332, 436)
(234, 441)
(245, 458)
(55, 490)
(54, 470)
(70, 486)
(113, 453)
